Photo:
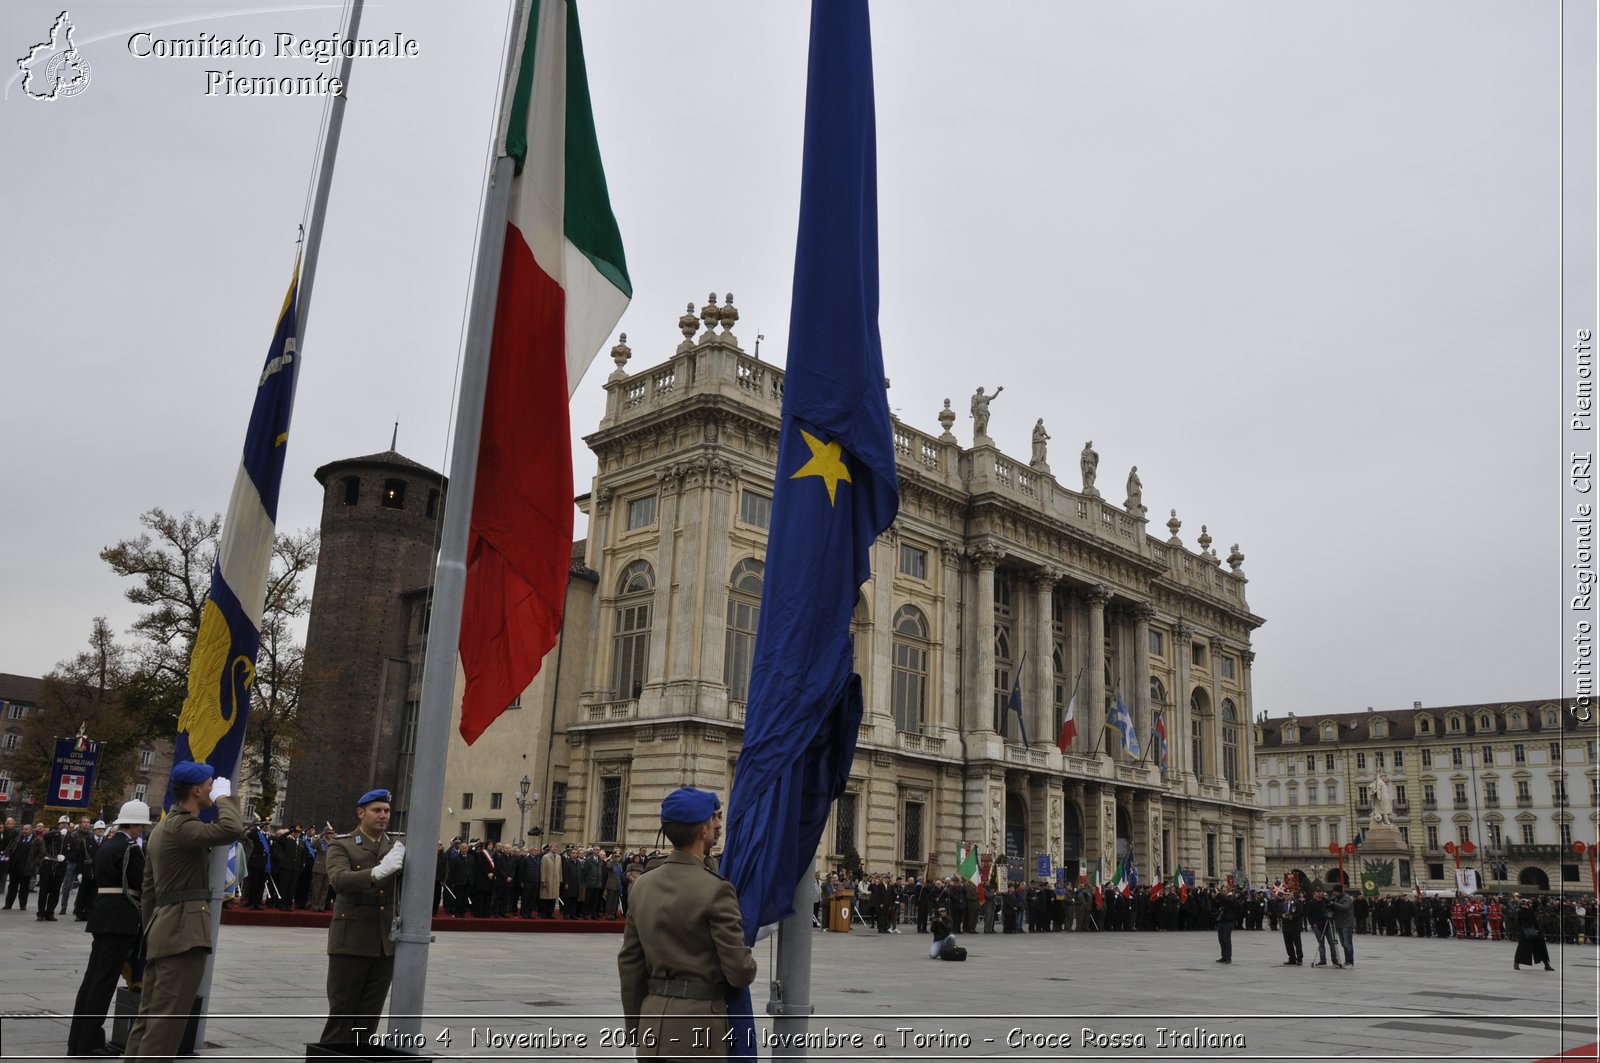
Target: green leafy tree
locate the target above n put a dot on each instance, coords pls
(170, 565)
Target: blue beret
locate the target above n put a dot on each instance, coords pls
(375, 795)
(688, 805)
(188, 771)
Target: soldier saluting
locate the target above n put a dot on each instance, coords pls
(683, 949)
(363, 870)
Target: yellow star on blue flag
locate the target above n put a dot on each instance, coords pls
(826, 462)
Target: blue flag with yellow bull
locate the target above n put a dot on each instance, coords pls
(222, 666)
(835, 491)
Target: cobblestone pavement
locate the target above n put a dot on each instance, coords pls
(1041, 996)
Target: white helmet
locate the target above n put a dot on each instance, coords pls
(134, 812)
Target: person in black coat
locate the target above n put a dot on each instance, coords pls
(1530, 939)
(1291, 917)
(1227, 913)
(285, 868)
(257, 864)
(114, 922)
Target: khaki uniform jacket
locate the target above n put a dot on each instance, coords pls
(363, 910)
(177, 860)
(683, 923)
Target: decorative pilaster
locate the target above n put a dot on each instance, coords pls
(1182, 758)
(945, 657)
(1143, 711)
(1041, 719)
(1217, 647)
(980, 684)
(1095, 718)
(668, 483)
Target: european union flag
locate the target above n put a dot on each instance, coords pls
(835, 491)
(222, 666)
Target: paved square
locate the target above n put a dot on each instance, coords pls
(1018, 997)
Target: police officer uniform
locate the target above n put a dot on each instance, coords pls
(360, 951)
(683, 949)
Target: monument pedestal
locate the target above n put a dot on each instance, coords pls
(1384, 860)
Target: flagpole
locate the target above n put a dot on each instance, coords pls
(789, 994)
(414, 923)
(310, 245)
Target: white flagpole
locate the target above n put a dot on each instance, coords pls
(414, 924)
(311, 245)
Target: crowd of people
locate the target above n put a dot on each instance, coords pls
(887, 903)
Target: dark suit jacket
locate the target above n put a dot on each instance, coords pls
(119, 864)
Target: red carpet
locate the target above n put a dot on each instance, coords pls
(1585, 1052)
(236, 916)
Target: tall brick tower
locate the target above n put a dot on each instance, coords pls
(363, 644)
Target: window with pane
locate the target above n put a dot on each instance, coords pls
(1196, 745)
(1399, 758)
(16, 711)
(610, 808)
(1405, 835)
(1463, 831)
(1158, 643)
(1311, 791)
(1559, 791)
(1230, 742)
(1494, 835)
(844, 824)
(1427, 758)
(913, 561)
(1377, 759)
(466, 802)
(755, 509)
(1527, 834)
(1433, 837)
(744, 614)
(1002, 680)
(146, 758)
(558, 808)
(1455, 757)
(909, 685)
(1428, 796)
(1400, 795)
(1311, 762)
(140, 792)
(1460, 794)
(495, 800)
(911, 837)
(1519, 755)
(641, 512)
(1333, 793)
(1327, 762)
(1523, 791)
(1361, 762)
(631, 643)
(1362, 797)
(1555, 752)
(1225, 666)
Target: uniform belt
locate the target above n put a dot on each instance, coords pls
(179, 896)
(686, 989)
(359, 900)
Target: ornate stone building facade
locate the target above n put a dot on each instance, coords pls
(1519, 780)
(995, 573)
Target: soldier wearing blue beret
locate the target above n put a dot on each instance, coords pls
(683, 949)
(363, 869)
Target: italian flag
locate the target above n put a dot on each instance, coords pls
(967, 864)
(1099, 869)
(1179, 885)
(563, 287)
(1069, 725)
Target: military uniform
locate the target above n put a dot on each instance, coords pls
(360, 952)
(176, 910)
(118, 872)
(682, 951)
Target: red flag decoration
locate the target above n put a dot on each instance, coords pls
(1069, 725)
(563, 287)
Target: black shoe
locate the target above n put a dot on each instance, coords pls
(1548, 967)
(1338, 966)
(1288, 963)
(1224, 961)
(1319, 963)
(49, 917)
(1516, 966)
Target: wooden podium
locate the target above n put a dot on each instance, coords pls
(839, 904)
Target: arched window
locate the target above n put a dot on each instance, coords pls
(1230, 743)
(1002, 678)
(1158, 693)
(744, 614)
(1199, 709)
(631, 643)
(909, 695)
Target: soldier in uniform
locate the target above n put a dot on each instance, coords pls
(362, 868)
(118, 872)
(683, 949)
(175, 906)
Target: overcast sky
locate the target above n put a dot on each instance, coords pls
(1298, 262)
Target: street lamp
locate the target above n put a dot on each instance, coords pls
(522, 810)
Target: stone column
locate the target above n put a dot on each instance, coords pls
(980, 705)
(878, 663)
(1247, 747)
(604, 615)
(1217, 648)
(1181, 758)
(946, 656)
(1094, 718)
(668, 481)
(1143, 714)
(718, 570)
(1041, 722)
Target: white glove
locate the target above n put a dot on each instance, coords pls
(220, 788)
(390, 863)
